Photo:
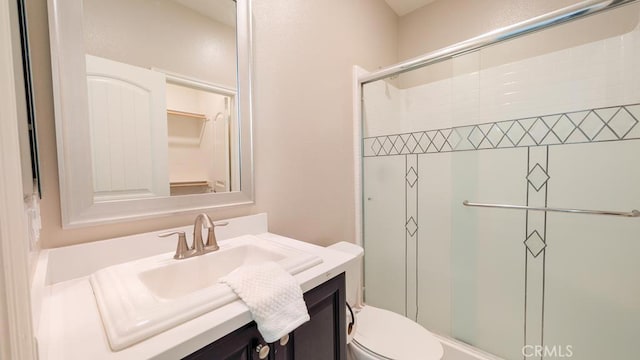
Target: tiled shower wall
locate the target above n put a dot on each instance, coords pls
(557, 129)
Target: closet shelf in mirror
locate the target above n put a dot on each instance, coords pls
(190, 187)
(187, 114)
(185, 128)
(189, 183)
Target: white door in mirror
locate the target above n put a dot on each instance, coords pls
(127, 113)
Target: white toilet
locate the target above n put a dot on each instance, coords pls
(378, 333)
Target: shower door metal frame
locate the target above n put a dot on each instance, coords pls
(548, 20)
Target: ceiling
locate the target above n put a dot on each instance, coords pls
(403, 7)
(224, 11)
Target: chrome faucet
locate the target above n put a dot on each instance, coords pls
(198, 247)
(203, 220)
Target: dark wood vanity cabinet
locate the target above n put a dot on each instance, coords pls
(239, 345)
(321, 338)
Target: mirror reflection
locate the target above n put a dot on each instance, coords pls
(161, 78)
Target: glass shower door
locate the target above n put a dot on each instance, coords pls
(553, 123)
(546, 120)
(395, 181)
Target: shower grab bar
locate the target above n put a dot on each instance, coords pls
(569, 13)
(632, 213)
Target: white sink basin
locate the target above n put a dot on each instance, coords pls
(183, 277)
(141, 298)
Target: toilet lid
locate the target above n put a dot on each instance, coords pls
(394, 336)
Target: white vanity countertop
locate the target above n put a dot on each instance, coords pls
(70, 326)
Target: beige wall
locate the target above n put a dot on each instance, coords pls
(161, 34)
(304, 53)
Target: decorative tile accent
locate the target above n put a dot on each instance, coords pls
(394, 150)
(606, 114)
(410, 143)
(515, 133)
(592, 125)
(495, 135)
(411, 187)
(454, 138)
(411, 226)
(446, 147)
(411, 177)
(432, 148)
(622, 123)
(376, 146)
(563, 128)
(423, 142)
(539, 131)
(439, 140)
(535, 233)
(476, 136)
(535, 244)
(537, 177)
(387, 145)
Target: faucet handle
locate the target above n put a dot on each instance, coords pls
(212, 242)
(182, 249)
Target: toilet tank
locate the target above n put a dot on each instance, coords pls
(353, 273)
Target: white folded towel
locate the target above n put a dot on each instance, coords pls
(273, 296)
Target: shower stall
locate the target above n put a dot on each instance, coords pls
(499, 180)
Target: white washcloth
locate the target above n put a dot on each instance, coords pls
(273, 296)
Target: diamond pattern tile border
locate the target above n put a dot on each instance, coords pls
(412, 177)
(411, 226)
(537, 177)
(594, 125)
(535, 244)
